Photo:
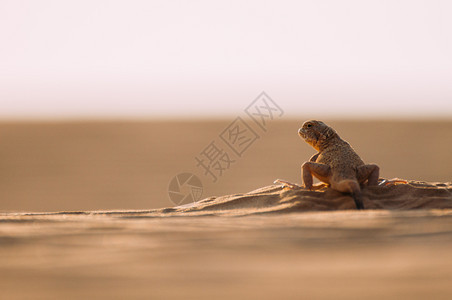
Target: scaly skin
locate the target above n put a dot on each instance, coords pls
(336, 163)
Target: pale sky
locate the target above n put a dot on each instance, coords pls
(97, 58)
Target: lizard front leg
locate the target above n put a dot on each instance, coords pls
(287, 184)
(320, 171)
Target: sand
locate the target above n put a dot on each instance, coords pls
(266, 244)
(277, 199)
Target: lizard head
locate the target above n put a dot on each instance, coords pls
(316, 133)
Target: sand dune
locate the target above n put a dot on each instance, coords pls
(275, 199)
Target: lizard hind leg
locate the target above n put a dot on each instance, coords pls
(370, 172)
(393, 181)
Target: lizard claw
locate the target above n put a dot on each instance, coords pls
(393, 181)
(286, 184)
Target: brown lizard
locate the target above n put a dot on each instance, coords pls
(335, 163)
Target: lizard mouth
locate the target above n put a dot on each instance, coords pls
(301, 133)
(308, 138)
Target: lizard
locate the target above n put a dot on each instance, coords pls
(336, 163)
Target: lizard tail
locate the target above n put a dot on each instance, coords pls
(352, 187)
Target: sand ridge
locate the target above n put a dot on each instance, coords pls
(276, 199)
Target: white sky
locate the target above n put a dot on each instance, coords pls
(211, 58)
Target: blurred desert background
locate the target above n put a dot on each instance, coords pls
(105, 165)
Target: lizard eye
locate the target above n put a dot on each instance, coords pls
(309, 125)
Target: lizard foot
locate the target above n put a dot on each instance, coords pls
(319, 186)
(294, 186)
(286, 184)
(393, 181)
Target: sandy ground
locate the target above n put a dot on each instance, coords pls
(265, 244)
(374, 254)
